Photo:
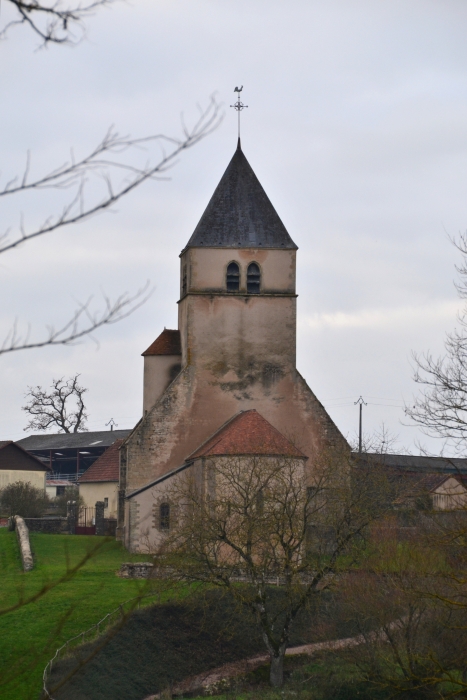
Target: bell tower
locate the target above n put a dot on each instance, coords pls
(237, 308)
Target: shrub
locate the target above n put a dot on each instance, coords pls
(22, 498)
(60, 502)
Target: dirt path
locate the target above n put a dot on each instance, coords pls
(199, 683)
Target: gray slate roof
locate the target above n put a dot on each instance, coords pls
(240, 214)
(419, 463)
(57, 441)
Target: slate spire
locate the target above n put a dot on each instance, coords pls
(240, 214)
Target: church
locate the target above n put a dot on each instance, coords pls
(225, 382)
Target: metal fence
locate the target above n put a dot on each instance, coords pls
(92, 634)
(71, 478)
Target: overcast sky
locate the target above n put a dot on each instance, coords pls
(356, 128)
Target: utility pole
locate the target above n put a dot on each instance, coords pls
(360, 403)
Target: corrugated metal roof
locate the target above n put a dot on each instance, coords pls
(57, 441)
(240, 214)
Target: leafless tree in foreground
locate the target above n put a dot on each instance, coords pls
(441, 408)
(254, 519)
(62, 407)
(53, 21)
(414, 594)
(93, 184)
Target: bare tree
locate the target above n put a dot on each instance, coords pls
(441, 408)
(255, 521)
(53, 21)
(63, 407)
(414, 595)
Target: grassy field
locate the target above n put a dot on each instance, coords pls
(30, 634)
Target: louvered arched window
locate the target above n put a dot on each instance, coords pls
(233, 277)
(253, 279)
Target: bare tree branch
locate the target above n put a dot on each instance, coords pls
(100, 167)
(441, 408)
(54, 21)
(84, 322)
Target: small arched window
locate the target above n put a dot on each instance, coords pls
(233, 277)
(253, 279)
(164, 516)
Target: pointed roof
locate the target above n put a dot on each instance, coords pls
(240, 214)
(106, 467)
(167, 343)
(247, 433)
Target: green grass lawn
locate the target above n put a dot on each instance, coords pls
(30, 634)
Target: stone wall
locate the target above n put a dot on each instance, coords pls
(52, 526)
(100, 518)
(22, 533)
(137, 569)
(110, 527)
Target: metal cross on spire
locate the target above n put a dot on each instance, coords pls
(238, 106)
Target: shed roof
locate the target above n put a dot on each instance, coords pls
(240, 214)
(167, 343)
(14, 456)
(106, 467)
(64, 441)
(247, 433)
(418, 463)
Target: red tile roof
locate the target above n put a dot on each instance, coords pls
(247, 433)
(106, 467)
(168, 343)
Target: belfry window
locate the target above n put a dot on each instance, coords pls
(164, 516)
(184, 281)
(253, 279)
(233, 277)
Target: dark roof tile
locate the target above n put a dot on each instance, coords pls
(16, 457)
(57, 441)
(240, 214)
(417, 463)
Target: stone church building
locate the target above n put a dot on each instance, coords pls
(225, 382)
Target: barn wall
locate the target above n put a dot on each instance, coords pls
(9, 476)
